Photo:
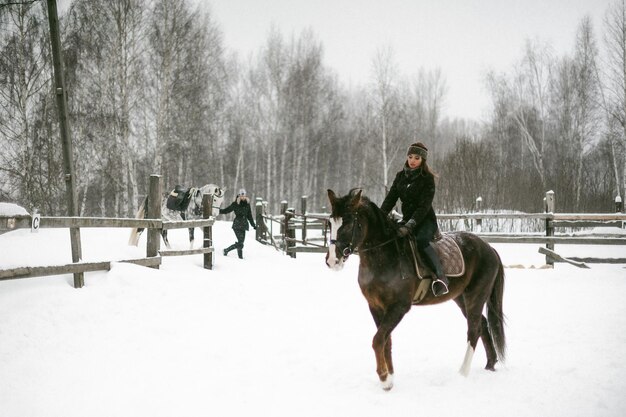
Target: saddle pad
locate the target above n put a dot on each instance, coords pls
(450, 256)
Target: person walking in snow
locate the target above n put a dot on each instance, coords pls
(414, 185)
(243, 215)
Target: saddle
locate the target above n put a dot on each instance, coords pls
(451, 260)
(179, 198)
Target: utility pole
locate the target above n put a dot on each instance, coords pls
(66, 138)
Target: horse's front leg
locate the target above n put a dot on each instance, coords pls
(165, 240)
(191, 229)
(386, 321)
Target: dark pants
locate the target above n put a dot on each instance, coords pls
(241, 237)
(425, 234)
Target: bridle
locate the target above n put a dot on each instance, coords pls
(350, 249)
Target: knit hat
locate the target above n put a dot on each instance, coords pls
(242, 191)
(418, 148)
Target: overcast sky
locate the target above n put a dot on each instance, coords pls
(464, 38)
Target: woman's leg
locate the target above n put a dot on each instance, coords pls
(231, 247)
(423, 239)
(241, 237)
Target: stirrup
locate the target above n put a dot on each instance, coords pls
(444, 291)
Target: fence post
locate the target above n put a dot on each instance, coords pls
(269, 231)
(283, 227)
(549, 208)
(154, 212)
(290, 232)
(283, 224)
(207, 231)
(479, 222)
(303, 206)
(619, 207)
(260, 224)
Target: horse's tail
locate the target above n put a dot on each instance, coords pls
(136, 233)
(495, 316)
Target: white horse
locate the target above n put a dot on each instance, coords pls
(187, 205)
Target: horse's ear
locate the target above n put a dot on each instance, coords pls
(332, 197)
(356, 200)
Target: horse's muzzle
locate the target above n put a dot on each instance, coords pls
(333, 261)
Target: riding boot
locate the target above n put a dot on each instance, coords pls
(440, 283)
(240, 253)
(228, 249)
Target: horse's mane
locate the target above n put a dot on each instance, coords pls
(210, 188)
(375, 214)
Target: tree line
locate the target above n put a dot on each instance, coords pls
(154, 89)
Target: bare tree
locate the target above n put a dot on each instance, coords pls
(429, 92)
(531, 85)
(585, 100)
(384, 95)
(28, 165)
(106, 40)
(614, 87)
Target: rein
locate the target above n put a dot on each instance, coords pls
(393, 239)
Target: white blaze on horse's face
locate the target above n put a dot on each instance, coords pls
(218, 198)
(332, 260)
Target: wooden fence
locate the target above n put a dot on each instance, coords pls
(290, 231)
(280, 230)
(153, 223)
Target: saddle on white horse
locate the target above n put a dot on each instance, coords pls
(179, 198)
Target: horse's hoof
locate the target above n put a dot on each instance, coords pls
(387, 384)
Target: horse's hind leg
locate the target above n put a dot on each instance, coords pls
(492, 356)
(473, 333)
(476, 327)
(191, 229)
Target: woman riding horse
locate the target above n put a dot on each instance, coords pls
(414, 185)
(391, 284)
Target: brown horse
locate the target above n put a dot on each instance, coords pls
(389, 282)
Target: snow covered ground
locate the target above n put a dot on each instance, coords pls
(275, 336)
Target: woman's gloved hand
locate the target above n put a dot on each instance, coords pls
(406, 229)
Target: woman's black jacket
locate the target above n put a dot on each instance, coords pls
(416, 190)
(243, 214)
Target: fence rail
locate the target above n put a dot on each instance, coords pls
(153, 224)
(282, 230)
(39, 271)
